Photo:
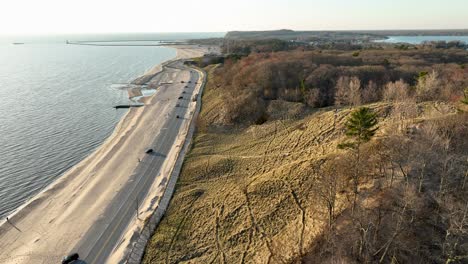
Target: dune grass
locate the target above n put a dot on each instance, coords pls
(246, 195)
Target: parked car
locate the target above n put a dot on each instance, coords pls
(181, 97)
(148, 151)
(189, 81)
(70, 258)
(182, 82)
(177, 116)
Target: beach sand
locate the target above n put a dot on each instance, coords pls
(50, 224)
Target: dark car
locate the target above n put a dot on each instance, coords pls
(186, 86)
(149, 151)
(183, 92)
(181, 97)
(182, 82)
(189, 81)
(70, 258)
(177, 116)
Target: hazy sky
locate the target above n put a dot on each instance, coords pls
(89, 16)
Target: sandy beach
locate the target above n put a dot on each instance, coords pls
(51, 224)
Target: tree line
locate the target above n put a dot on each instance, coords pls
(328, 78)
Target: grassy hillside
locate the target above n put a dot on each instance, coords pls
(245, 194)
(257, 193)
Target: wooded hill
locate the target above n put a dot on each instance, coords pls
(325, 157)
(287, 34)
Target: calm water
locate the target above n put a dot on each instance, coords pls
(56, 104)
(421, 39)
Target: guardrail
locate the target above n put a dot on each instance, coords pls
(138, 248)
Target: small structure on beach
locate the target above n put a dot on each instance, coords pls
(133, 93)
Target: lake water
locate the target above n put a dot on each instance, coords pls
(56, 103)
(421, 39)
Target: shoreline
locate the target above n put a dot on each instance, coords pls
(71, 170)
(149, 74)
(59, 218)
(128, 120)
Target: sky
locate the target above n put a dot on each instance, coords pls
(101, 16)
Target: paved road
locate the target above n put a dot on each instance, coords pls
(97, 244)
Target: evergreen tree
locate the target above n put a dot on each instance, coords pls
(361, 126)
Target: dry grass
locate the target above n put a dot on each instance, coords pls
(246, 195)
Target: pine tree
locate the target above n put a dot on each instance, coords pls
(361, 127)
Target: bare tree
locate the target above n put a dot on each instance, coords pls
(456, 232)
(370, 93)
(342, 91)
(446, 159)
(396, 91)
(354, 91)
(329, 183)
(399, 149)
(424, 149)
(428, 86)
(465, 176)
(348, 91)
(401, 220)
(313, 98)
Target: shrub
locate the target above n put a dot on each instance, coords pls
(428, 86)
(465, 96)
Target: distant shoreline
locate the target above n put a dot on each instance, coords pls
(102, 43)
(415, 40)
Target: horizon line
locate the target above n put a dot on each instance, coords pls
(198, 32)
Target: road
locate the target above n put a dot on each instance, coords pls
(99, 241)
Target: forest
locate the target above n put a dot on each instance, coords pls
(330, 77)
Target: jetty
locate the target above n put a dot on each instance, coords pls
(127, 106)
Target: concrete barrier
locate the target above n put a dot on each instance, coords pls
(138, 248)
